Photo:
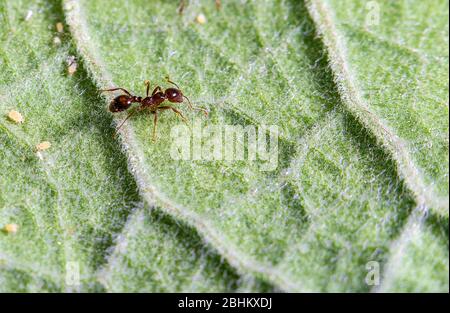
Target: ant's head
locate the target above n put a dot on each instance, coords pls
(120, 103)
(174, 95)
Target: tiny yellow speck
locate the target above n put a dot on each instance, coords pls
(11, 228)
(201, 18)
(43, 146)
(59, 27)
(15, 116)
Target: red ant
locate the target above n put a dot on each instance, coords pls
(158, 96)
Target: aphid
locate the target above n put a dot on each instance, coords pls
(72, 68)
(16, 117)
(152, 102)
(43, 146)
(11, 228)
(201, 18)
(71, 64)
(59, 27)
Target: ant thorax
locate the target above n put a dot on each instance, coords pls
(158, 98)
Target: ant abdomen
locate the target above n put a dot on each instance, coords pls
(120, 103)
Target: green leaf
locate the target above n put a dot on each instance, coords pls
(76, 205)
(419, 261)
(391, 63)
(335, 200)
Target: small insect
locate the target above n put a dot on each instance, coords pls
(151, 103)
(11, 228)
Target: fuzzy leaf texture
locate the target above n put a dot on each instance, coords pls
(79, 216)
(391, 63)
(362, 165)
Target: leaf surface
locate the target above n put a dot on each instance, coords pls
(76, 205)
(334, 201)
(391, 63)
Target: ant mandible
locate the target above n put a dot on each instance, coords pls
(152, 103)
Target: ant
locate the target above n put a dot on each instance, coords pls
(152, 103)
(182, 5)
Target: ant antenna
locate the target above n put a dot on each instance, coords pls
(195, 108)
(189, 101)
(147, 83)
(169, 81)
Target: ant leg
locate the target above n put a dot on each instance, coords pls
(123, 122)
(177, 112)
(155, 121)
(114, 89)
(158, 88)
(147, 83)
(171, 82)
(196, 108)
